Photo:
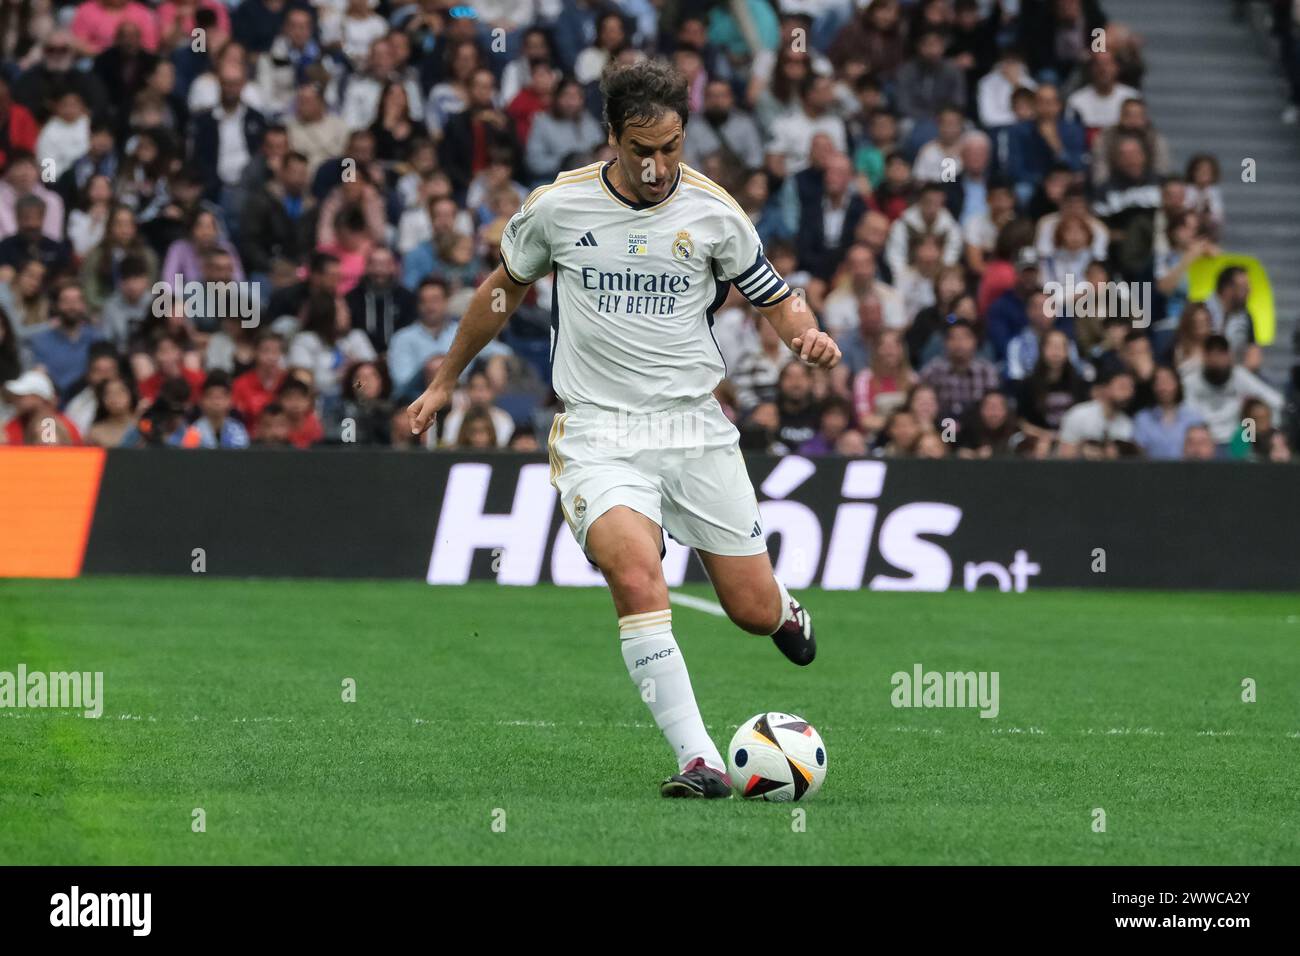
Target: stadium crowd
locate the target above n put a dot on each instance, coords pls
(970, 194)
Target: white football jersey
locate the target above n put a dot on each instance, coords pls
(636, 285)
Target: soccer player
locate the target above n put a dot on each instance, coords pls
(642, 250)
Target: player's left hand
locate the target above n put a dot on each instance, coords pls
(815, 347)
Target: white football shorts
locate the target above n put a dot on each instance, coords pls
(679, 466)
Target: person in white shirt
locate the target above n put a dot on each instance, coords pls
(316, 134)
(355, 30)
(1101, 420)
(638, 247)
(858, 281)
(65, 137)
(927, 216)
(940, 159)
(792, 134)
(993, 94)
(1218, 387)
(1098, 104)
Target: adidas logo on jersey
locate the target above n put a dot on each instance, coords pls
(587, 239)
(757, 532)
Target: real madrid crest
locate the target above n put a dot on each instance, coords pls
(579, 507)
(682, 245)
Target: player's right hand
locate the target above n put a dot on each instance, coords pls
(424, 409)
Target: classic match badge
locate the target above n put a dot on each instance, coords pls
(636, 243)
(579, 507)
(682, 245)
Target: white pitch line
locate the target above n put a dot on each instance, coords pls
(699, 604)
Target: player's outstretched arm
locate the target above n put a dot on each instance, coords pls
(489, 310)
(797, 326)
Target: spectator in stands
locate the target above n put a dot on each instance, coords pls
(980, 229)
(474, 133)
(326, 344)
(1161, 430)
(480, 399)
(1050, 390)
(900, 435)
(303, 427)
(1203, 194)
(1133, 121)
(114, 413)
(928, 217)
(1023, 350)
(1198, 445)
(22, 179)
(790, 143)
(272, 427)
(1185, 246)
(36, 419)
(857, 281)
(63, 349)
(101, 365)
(227, 136)
(722, 129)
(940, 160)
(318, 135)
(997, 86)
(96, 24)
(836, 418)
(1038, 144)
(796, 404)
(286, 49)
(1127, 203)
(1098, 103)
(215, 428)
(882, 386)
(258, 387)
(1098, 424)
(65, 137)
(828, 219)
(18, 129)
(366, 414)
(278, 222)
(169, 365)
(1008, 316)
(959, 377)
(1220, 386)
(928, 82)
(990, 430)
(29, 243)
(379, 306)
(1230, 317)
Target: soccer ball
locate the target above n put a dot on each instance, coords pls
(777, 757)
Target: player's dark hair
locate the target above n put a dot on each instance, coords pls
(640, 93)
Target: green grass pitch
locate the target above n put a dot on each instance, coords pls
(227, 696)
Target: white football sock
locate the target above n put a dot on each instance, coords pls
(654, 662)
(786, 601)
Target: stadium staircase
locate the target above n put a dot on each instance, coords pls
(1213, 86)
